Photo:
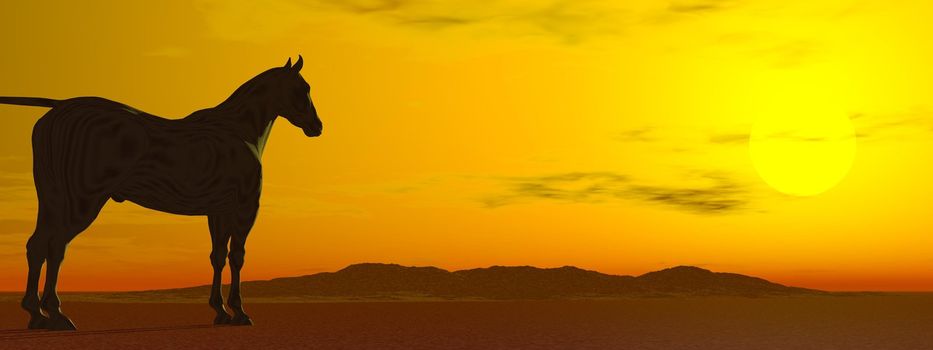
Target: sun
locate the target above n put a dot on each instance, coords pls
(803, 146)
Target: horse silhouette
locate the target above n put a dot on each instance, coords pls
(87, 150)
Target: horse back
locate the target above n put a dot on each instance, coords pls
(110, 149)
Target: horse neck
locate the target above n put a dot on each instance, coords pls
(250, 119)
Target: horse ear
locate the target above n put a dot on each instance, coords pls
(298, 64)
(289, 63)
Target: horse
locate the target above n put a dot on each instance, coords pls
(88, 150)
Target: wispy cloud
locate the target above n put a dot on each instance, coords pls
(368, 6)
(786, 135)
(570, 21)
(868, 128)
(789, 54)
(643, 134)
(700, 6)
(772, 49)
(729, 139)
(707, 193)
(681, 138)
(572, 187)
(892, 126)
(720, 194)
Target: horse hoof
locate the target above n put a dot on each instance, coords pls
(38, 322)
(222, 319)
(241, 320)
(60, 323)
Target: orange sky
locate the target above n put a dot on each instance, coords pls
(609, 135)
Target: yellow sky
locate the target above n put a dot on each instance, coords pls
(610, 135)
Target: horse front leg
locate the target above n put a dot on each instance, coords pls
(237, 254)
(219, 238)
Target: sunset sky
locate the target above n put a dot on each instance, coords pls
(609, 135)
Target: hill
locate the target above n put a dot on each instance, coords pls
(370, 281)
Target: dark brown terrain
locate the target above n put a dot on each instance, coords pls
(889, 322)
(393, 307)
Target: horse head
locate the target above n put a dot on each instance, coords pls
(294, 99)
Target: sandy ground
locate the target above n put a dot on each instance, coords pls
(824, 323)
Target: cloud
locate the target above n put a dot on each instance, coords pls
(680, 139)
(789, 54)
(369, 6)
(707, 193)
(700, 6)
(644, 134)
(729, 139)
(720, 195)
(696, 138)
(868, 127)
(787, 135)
(569, 21)
(572, 187)
(892, 126)
(773, 49)
(680, 10)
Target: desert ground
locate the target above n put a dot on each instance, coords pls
(885, 321)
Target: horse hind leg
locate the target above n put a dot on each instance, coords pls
(73, 223)
(36, 254)
(74, 175)
(50, 301)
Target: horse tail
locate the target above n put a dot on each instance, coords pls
(29, 101)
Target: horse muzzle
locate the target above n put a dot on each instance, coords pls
(313, 132)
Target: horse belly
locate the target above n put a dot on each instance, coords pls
(189, 175)
(158, 196)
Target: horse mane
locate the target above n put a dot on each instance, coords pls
(239, 96)
(249, 88)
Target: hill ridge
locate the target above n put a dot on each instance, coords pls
(382, 281)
